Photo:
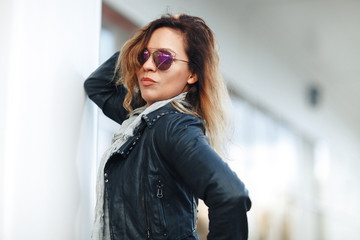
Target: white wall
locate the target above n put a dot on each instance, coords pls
(47, 49)
(5, 7)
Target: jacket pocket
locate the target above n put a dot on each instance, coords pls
(158, 209)
(160, 197)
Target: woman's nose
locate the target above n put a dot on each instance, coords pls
(149, 64)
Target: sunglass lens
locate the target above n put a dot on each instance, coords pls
(163, 59)
(143, 56)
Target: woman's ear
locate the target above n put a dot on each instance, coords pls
(192, 79)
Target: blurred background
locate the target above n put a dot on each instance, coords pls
(292, 68)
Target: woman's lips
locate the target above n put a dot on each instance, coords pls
(145, 81)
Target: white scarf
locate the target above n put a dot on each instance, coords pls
(120, 137)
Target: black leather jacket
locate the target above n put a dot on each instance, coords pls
(153, 182)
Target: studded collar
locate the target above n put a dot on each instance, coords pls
(151, 118)
(148, 120)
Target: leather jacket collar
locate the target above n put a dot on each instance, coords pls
(152, 117)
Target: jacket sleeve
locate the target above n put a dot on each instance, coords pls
(101, 89)
(187, 151)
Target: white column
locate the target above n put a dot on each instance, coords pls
(48, 48)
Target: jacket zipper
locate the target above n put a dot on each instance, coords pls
(160, 195)
(159, 192)
(147, 230)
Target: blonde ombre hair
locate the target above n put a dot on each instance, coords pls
(208, 97)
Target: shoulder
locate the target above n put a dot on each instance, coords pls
(178, 135)
(169, 124)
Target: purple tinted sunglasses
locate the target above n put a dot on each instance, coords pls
(163, 58)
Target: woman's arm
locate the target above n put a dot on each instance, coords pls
(187, 151)
(101, 89)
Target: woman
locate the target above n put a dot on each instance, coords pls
(165, 90)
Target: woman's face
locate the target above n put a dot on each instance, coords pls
(156, 85)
